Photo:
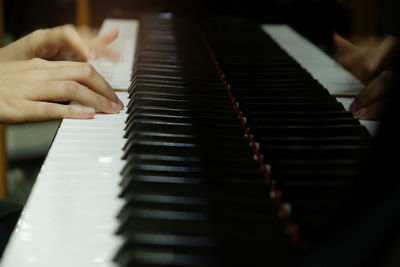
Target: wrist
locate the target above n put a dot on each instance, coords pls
(22, 49)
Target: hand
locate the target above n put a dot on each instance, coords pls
(61, 43)
(370, 102)
(30, 89)
(367, 59)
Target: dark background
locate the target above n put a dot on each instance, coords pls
(316, 19)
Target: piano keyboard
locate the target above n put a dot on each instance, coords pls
(194, 193)
(210, 198)
(70, 216)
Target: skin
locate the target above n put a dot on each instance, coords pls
(369, 103)
(372, 62)
(41, 72)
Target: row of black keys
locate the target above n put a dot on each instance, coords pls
(194, 194)
(313, 146)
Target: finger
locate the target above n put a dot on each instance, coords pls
(72, 38)
(47, 64)
(85, 74)
(99, 49)
(357, 65)
(354, 63)
(386, 55)
(100, 44)
(87, 32)
(107, 37)
(76, 71)
(349, 61)
(375, 91)
(62, 91)
(371, 112)
(43, 111)
(343, 44)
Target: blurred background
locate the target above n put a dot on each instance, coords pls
(25, 146)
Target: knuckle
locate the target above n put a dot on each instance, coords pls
(87, 69)
(51, 111)
(64, 31)
(67, 28)
(38, 33)
(104, 104)
(48, 110)
(69, 111)
(37, 61)
(70, 87)
(35, 40)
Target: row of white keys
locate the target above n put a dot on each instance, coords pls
(70, 216)
(328, 72)
(118, 73)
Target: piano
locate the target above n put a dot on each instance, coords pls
(216, 199)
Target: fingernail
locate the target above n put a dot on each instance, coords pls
(121, 105)
(116, 107)
(88, 111)
(361, 112)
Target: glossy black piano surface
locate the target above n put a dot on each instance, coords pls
(235, 155)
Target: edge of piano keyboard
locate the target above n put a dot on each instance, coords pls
(337, 80)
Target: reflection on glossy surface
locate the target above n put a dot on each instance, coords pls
(105, 160)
